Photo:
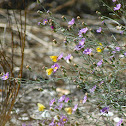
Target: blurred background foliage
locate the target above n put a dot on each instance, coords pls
(66, 7)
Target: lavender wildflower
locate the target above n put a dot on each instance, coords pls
(87, 51)
(101, 82)
(60, 56)
(93, 89)
(100, 63)
(5, 76)
(68, 57)
(52, 102)
(55, 67)
(39, 23)
(45, 21)
(119, 123)
(71, 22)
(60, 106)
(117, 49)
(85, 98)
(62, 98)
(82, 31)
(67, 99)
(105, 109)
(98, 30)
(80, 45)
(75, 108)
(118, 6)
(64, 119)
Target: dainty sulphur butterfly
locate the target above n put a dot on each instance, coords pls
(54, 58)
(41, 107)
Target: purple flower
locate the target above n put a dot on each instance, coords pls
(80, 45)
(82, 31)
(124, 53)
(52, 123)
(60, 56)
(101, 82)
(24, 124)
(5, 76)
(98, 30)
(85, 99)
(118, 6)
(111, 57)
(52, 102)
(39, 23)
(117, 48)
(62, 98)
(75, 108)
(48, 11)
(55, 67)
(103, 22)
(60, 106)
(87, 51)
(45, 21)
(119, 123)
(68, 57)
(113, 52)
(71, 22)
(105, 109)
(67, 99)
(113, 0)
(58, 124)
(100, 63)
(52, 27)
(93, 89)
(121, 32)
(63, 119)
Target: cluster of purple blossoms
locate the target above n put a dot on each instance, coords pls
(63, 99)
(61, 122)
(117, 49)
(60, 100)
